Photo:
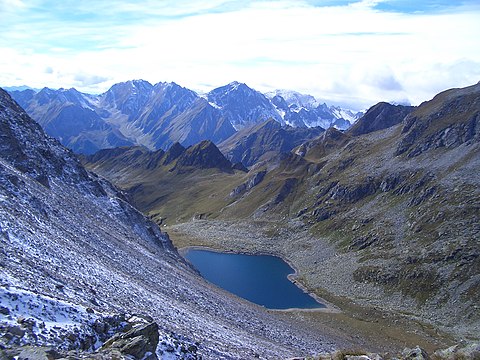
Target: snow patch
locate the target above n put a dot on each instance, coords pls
(47, 321)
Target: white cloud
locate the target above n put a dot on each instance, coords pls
(351, 54)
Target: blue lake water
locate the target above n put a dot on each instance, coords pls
(261, 279)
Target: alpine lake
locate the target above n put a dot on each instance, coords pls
(261, 279)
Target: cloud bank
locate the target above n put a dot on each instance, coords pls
(353, 53)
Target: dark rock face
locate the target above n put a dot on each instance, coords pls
(378, 117)
(351, 194)
(204, 155)
(286, 189)
(253, 181)
(265, 140)
(450, 137)
(450, 119)
(140, 341)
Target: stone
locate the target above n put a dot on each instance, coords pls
(469, 351)
(27, 323)
(140, 341)
(38, 353)
(4, 310)
(416, 353)
(16, 331)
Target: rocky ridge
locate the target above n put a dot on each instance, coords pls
(156, 116)
(265, 140)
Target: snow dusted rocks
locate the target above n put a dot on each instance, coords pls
(33, 319)
(40, 327)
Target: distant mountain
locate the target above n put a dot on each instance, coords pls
(134, 112)
(156, 116)
(71, 117)
(380, 116)
(242, 105)
(265, 140)
(291, 97)
(19, 88)
(302, 110)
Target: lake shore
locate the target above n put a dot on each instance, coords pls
(327, 306)
(292, 277)
(364, 323)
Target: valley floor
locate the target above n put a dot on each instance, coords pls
(363, 323)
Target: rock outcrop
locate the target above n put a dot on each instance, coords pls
(380, 116)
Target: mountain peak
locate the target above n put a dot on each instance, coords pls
(131, 86)
(294, 98)
(204, 155)
(139, 83)
(378, 117)
(235, 85)
(242, 105)
(173, 153)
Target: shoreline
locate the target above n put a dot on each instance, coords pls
(360, 322)
(327, 306)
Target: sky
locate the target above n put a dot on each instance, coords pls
(352, 53)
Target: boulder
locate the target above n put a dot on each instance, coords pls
(469, 351)
(416, 353)
(140, 341)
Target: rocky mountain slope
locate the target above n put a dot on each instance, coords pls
(70, 117)
(187, 175)
(394, 201)
(264, 140)
(72, 245)
(400, 201)
(156, 116)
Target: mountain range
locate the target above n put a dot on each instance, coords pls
(385, 213)
(380, 220)
(79, 265)
(156, 116)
